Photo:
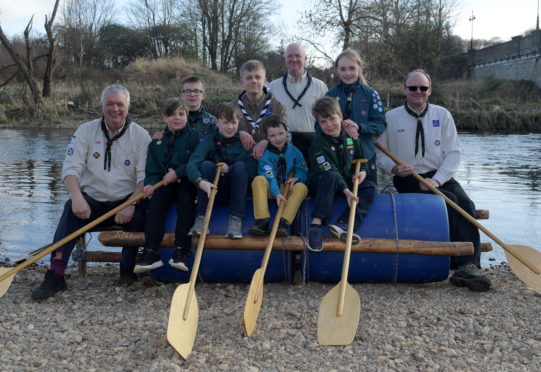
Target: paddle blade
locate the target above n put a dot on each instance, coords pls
(532, 257)
(5, 283)
(253, 305)
(181, 332)
(335, 330)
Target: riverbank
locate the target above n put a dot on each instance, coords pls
(100, 326)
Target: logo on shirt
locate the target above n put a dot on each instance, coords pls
(70, 151)
(127, 162)
(206, 120)
(96, 155)
(435, 123)
(268, 171)
(269, 111)
(437, 142)
(98, 142)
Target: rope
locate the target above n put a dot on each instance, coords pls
(397, 254)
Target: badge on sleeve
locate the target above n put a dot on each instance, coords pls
(268, 171)
(435, 123)
(96, 155)
(70, 151)
(320, 159)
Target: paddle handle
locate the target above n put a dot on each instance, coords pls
(461, 211)
(75, 234)
(201, 244)
(349, 238)
(270, 243)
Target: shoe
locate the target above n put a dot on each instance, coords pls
(234, 228)
(150, 261)
(469, 276)
(52, 284)
(260, 227)
(197, 227)
(282, 228)
(126, 277)
(179, 260)
(314, 238)
(340, 231)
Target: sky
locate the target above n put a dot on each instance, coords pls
(493, 18)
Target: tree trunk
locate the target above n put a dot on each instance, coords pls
(53, 43)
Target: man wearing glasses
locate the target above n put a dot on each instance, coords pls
(193, 93)
(424, 137)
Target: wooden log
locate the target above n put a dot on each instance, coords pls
(296, 243)
(481, 214)
(486, 247)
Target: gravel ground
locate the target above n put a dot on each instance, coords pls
(99, 326)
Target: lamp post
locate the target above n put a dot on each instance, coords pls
(470, 70)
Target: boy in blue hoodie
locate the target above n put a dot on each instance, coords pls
(278, 160)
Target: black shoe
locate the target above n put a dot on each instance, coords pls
(126, 277)
(260, 227)
(282, 228)
(52, 284)
(314, 238)
(179, 260)
(150, 261)
(469, 276)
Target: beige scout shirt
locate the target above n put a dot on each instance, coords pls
(254, 110)
(299, 119)
(85, 160)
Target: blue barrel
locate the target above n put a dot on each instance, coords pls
(227, 265)
(418, 217)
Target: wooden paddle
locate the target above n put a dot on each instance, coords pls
(524, 261)
(184, 313)
(255, 293)
(340, 309)
(6, 274)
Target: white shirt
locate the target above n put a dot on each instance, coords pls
(85, 160)
(299, 119)
(442, 148)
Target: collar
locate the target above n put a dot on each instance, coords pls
(419, 113)
(301, 79)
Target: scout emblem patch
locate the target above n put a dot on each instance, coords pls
(268, 171)
(435, 123)
(349, 146)
(96, 155)
(70, 151)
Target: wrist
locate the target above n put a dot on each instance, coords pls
(198, 181)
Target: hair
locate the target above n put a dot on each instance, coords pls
(420, 71)
(272, 121)
(227, 111)
(172, 104)
(355, 57)
(115, 88)
(326, 107)
(252, 65)
(192, 79)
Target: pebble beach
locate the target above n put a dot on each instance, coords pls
(99, 325)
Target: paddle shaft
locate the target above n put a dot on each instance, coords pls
(75, 234)
(349, 238)
(460, 210)
(270, 243)
(201, 244)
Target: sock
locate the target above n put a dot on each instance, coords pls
(314, 225)
(58, 266)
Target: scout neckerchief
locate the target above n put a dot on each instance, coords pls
(109, 143)
(349, 90)
(255, 123)
(194, 117)
(170, 147)
(420, 131)
(220, 142)
(344, 149)
(281, 166)
(296, 102)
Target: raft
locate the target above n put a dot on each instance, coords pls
(405, 238)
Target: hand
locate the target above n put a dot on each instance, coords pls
(350, 197)
(431, 181)
(280, 198)
(403, 170)
(170, 177)
(259, 149)
(148, 190)
(80, 207)
(292, 181)
(360, 176)
(351, 128)
(247, 140)
(125, 215)
(224, 167)
(206, 186)
(157, 136)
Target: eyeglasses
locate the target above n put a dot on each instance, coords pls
(413, 88)
(193, 92)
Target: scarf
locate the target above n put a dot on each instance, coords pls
(343, 146)
(420, 131)
(263, 113)
(109, 143)
(296, 102)
(220, 143)
(349, 90)
(171, 138)
(281, 167)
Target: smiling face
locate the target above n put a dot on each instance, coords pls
(228, 128)
(417, 99)
(348, 70)
(331, 125)
(177, 120)
(295, 60)
(192, 94)
(253, 82)
(277, 136)
(115, 110)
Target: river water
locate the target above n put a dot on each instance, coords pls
(500, 172)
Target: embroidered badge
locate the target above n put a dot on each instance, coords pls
(127, 162)
(70, 151)
(206, 120)
(363, 113)
(320, 159)
(332, 148)
(96, 155)
(364, 100)
(269, 111)
(72, 142)
(435, 123)
(437, 142)
(159, 142)
(98, 142)
(267, 167)
(375, 106)
(269, 173)
(326, 166)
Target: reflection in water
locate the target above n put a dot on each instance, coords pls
(501, 173)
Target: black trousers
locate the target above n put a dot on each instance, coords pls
(183, 196)
(461, 230)
(302, 141)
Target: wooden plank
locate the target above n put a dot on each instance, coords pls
(481, 214)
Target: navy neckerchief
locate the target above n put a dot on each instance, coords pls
(109, 143)
(296, 102)
(281, 167)
(343, 149)
(172, 136)
(220, 142)
(349, 90)
(420, 131)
